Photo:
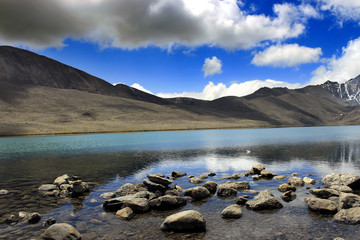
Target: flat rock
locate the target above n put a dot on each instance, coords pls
(348, 216)
(167, 202)
(296, 181)
(151, 186)
(348, 200)
(61, 231)
(125, 213)
(243, 185)
(178, 174)
(265, 200)
(160, 180)
(321, 205)
(324, 193)
(232, 211)
(186, 221)
(48, 187)
(278, 178)
(108, 195)
(309, 181)
(197, 193)
(286, 187)
(136, 204)
(211, 186)
(350, 180)
(196, 180)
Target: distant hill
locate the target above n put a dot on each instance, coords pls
(39, 95)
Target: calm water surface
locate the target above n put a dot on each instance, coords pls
(112, 160)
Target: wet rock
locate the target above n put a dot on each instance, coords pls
(350, 180)
(108, 195)
(226, 190)
(321, 205)
(309, 181)
(286, 187)
(136, 204)
(4, 192)
(341, 188)
(240, 200)
(211, 186)
(167, 202)
(151, 186)
(240, 185)
(348, 216)
(296, 182)
(267, 174)
(125, 213)
(61, 231)
(265, 200)
(129, 188)
(196, 180)
(186, 221)
(324, 193)
(62, 180)
(235, 176)
(160, 180)
(288, 196)
(197, 193)
(34, 218)
(256, 178)
(258, 168)
(348, 200)
(178, 174)
(232, 211)
(173, 192)
(48, 187)
(78, 189)
(278, 178)
(50, 221)
(204, 175)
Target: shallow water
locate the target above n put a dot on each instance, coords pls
(112, 160)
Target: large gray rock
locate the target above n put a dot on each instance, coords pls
(286, 187)
(296, 182)
(265, 200)
(348, 216)
(197, 193)
(350, 180)
(232, 211)
(61, 231)
(211, 186)
(226, 190)
(324, 193)
(348, 200)
(167, 202)
(321, 205)
(160, 180)
(136, 204)
(186, 221)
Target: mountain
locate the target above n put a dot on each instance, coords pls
(39, 95)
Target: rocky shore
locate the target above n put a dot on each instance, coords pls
(337, 197)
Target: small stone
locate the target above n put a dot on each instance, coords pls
(125, 213)
(167, 202)
(258, 168)
(286, 187)
(294, 174)
(350, 180)
(61, 231)
(232, 211)
(154, 186)
(34, 218)
(159, 180)
(288, 196)
(50, 221)
(241, 200)
(235, 176)
(309, 181)
(348, 200)
(321, 205)
(211, 174)
(108, 195)
(267, 174)
(197, 193)
(4, 192)
(296, 182)
(196, 180)
(186, 221)
(178, 174)
(204, 176)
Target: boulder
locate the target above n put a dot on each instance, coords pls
(240, 200)
(151, 186)
(341, 188)
(62, 179)
(257, 168)
(286, 187)
(48, 187)
(196, 180)
(197, 193)
(278, 178)
(125, 213)
(348, 200)
(296, 182)
(160, 180)
(178, 174)
(167, 202)
(34, 218)
(211, 186)
(108, 195)
(131, 201)
(321, 205)
(267, 174)
(61, 231)
(309, 181)
(186, 221)
(265, 200)
(226, 190)
(324, 193)
(348, 216)
(232, 211)
(350, 180)
(288, 196)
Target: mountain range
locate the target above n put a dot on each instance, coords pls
(39, 95)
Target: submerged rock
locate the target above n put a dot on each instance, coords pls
(232, 211)
(278, 178)
(235, 176)
(197, 193)
(196, 180)
(321, 205)
(265, 200)
(61, 231)
(348, 216)
(350, 180)
(186, 221)
(48, 187)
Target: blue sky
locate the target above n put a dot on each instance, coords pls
(198, 48)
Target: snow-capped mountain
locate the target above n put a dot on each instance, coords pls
(348, 91)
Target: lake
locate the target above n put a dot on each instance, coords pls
(111, 160)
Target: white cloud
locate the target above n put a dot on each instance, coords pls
(340, 69)
(136, 23)
(141, 88)
(288, 55)
(213, 91)
(343, 9)
(212, 66)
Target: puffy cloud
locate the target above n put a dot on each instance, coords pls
(288, 55)
(141, 88)
(343, 9)
(212, 66)
(137, 23)
(340, 69)
(213, 91)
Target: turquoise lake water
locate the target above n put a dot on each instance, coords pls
(112, 160)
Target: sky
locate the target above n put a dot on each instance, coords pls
(203, 49)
